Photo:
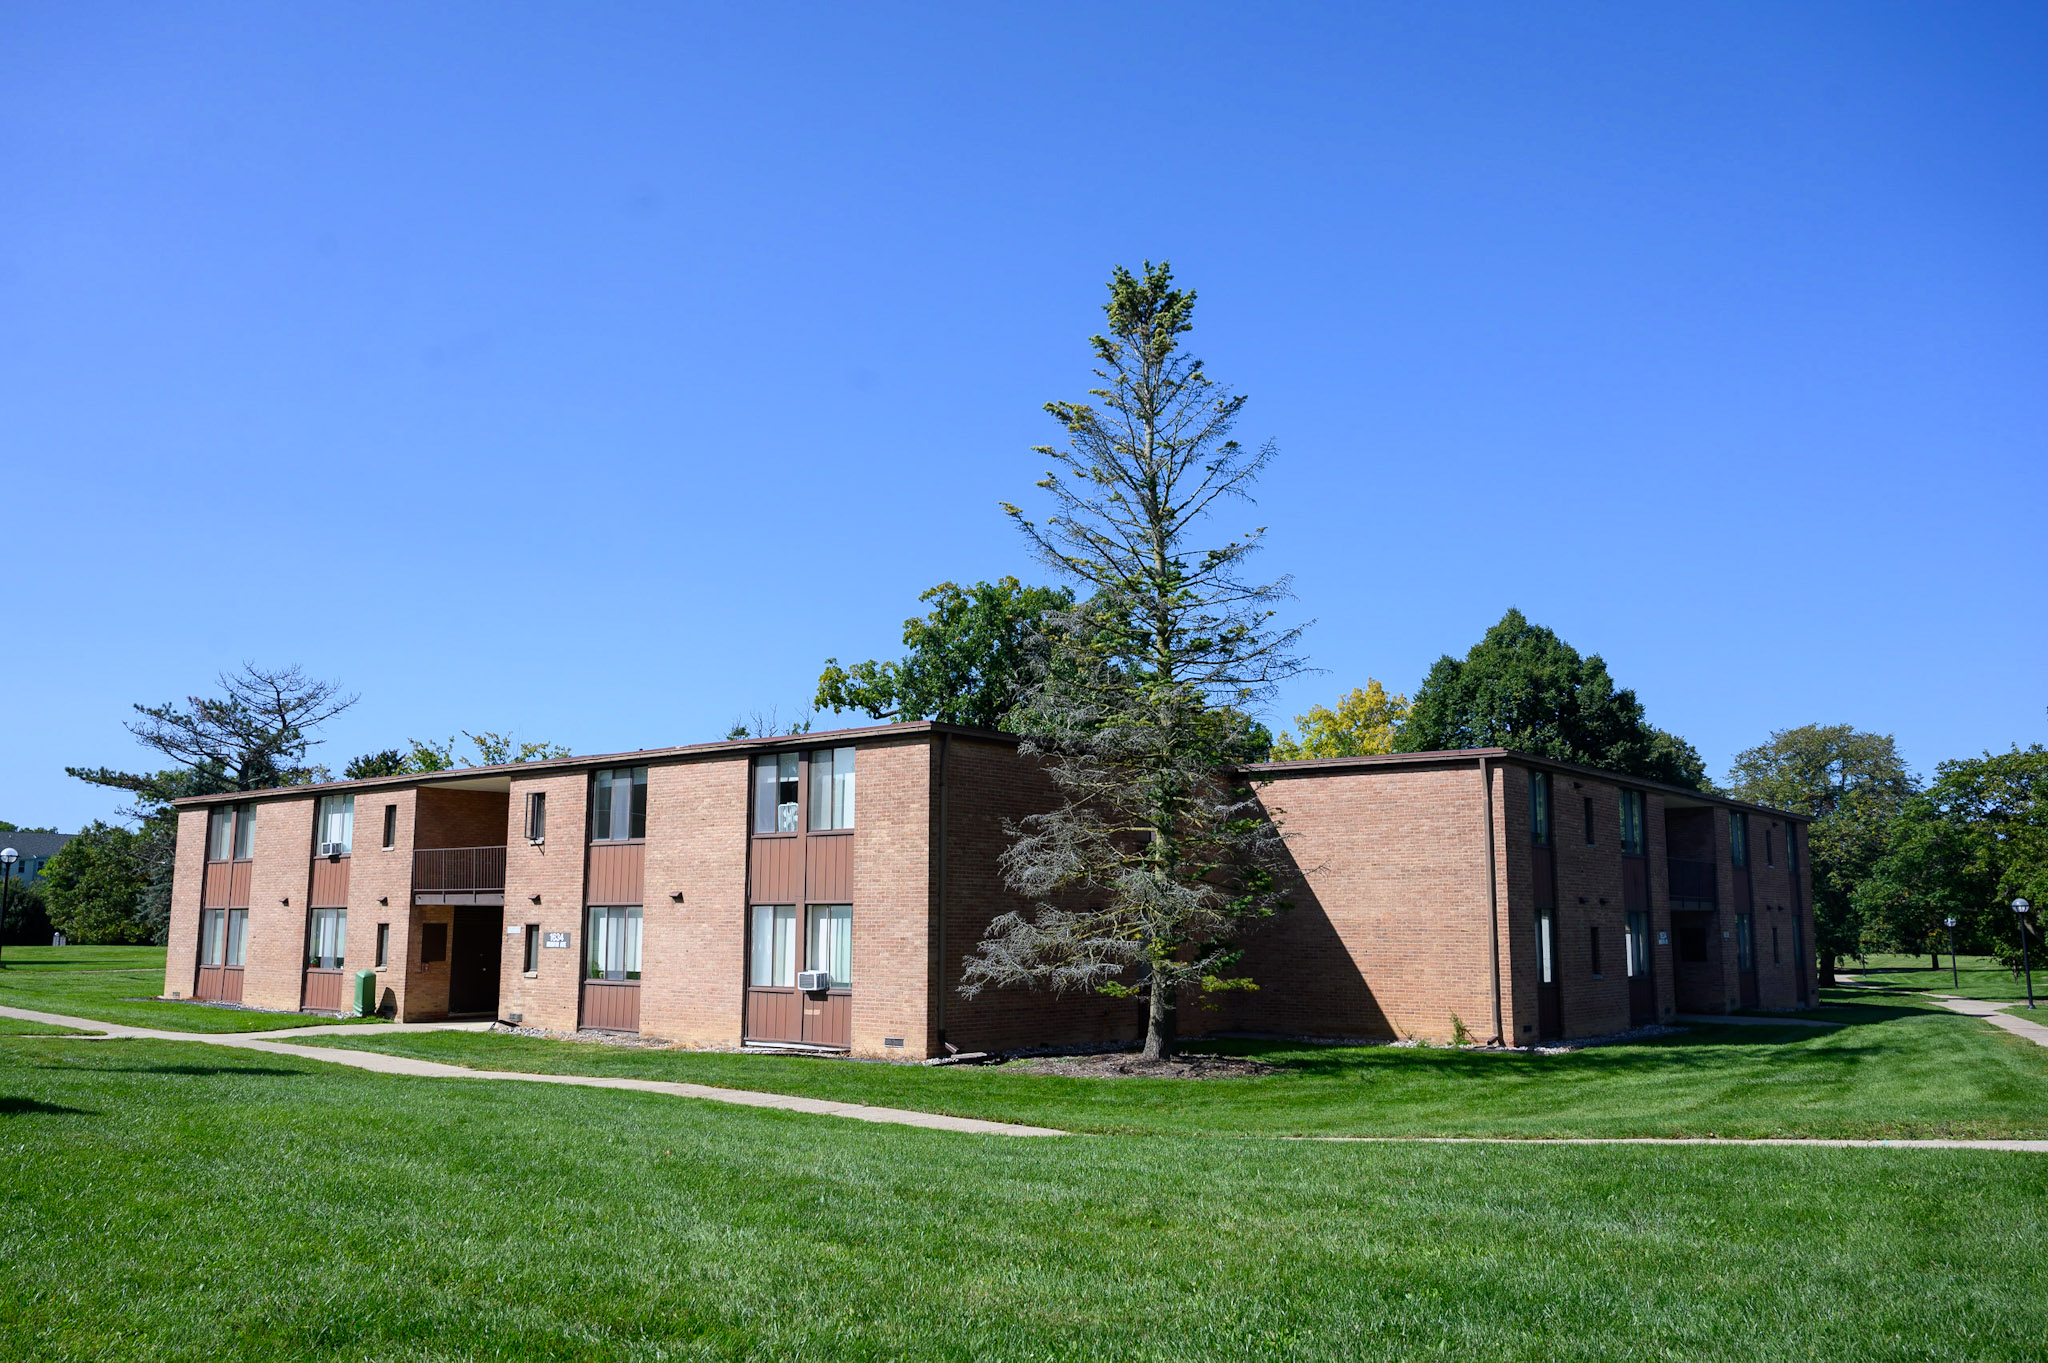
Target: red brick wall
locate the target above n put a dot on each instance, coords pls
(1388, 933)
(555, 873)
(454, 818)
(892, 898)
(181, 961)
(376, 874)
(693, 952)
(985, 784)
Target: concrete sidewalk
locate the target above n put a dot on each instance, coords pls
(429, 1069)
(1995, 1014)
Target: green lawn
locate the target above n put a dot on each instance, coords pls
(107, 985)
(1905, 1069)
(20, 1027)
(2038, 1013)
(170, 1201)
(1979, 977)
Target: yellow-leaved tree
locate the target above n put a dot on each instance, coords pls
(1363, 724)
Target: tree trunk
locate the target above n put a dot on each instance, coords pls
(1158, 1024)
(1935, 953)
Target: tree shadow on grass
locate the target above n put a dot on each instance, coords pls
(199, 1071)
(13, 1107)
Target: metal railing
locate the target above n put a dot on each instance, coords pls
(1691, 880)
(458, 868)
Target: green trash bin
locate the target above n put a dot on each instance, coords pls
(365, 1000)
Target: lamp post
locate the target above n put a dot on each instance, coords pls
(1953, 981)
(8, 856)
(2019, 912)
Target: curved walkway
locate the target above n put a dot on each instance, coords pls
(429, 1069)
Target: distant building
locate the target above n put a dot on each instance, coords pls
(36, 850)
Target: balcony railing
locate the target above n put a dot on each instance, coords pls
(1691, 880)
(441, 869)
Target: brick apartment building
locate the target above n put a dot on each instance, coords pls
(822, 890)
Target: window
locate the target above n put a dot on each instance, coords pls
(1539, 808)
(1596, 953)
(433, 943)
(614, 940)
(1738, 838)
(231, 833)
(390, 827)
(829, 942)
(222, 933)
(532, 962)
(1792, 850)
(1769, 860)
(618, 808)
(1631, 823)
(772, 962)
(775, 793)
(536, 816)
(1589, 821)
(1546, 948)
(1745, 942)
(832, 788)
(383, 945)
(334, 822)
(327, 938)
(1637, 940)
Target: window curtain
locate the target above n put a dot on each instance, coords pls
(772, 963)
(831, 942)
(210, 925)
(614, 939)
(220, 835)
(238, 933)
(337, 821)
(245, 832)
(326, 936)
(832, 788)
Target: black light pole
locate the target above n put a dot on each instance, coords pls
(1953, 981)
(2019, 911)
(8, 856)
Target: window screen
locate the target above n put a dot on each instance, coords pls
(832, 788)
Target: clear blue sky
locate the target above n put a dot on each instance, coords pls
(596, 371)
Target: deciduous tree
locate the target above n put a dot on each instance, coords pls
(1852, 784)
(966, 662)
(1523, 687)
(93, 887)
(1365, 722)
(1159, 856)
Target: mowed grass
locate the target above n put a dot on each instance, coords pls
(22, 1027)
(1976, 977)
(174, 1201)
(120, 984)
(1905, 1070)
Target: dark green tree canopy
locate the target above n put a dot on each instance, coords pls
(1852, 784)
(94, 887)
(1523, 687)
(967, 661)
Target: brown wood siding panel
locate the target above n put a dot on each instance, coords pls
(323, 990)
(330, 883)
(1635, 883)
(828, 869)
(774, 1015)
(1543, 862)
(611, 1005)
(1739, 885)
(776, 870)
(241, 876)
(214, 891)
(219, 984)
(828, 1019)
(615, 873)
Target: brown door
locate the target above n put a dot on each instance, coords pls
(473, 960)
(1642, 990)
(1549, 1004)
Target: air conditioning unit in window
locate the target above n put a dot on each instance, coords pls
(332, 849)
(814, 981)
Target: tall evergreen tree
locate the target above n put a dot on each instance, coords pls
(1159, 855)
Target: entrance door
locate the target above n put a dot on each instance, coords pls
(1549, 1006)
(473, 960)
(1642, 990)
(1745, 958)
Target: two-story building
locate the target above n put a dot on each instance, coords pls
(822, 891)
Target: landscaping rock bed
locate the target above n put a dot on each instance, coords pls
(1127, 1065)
